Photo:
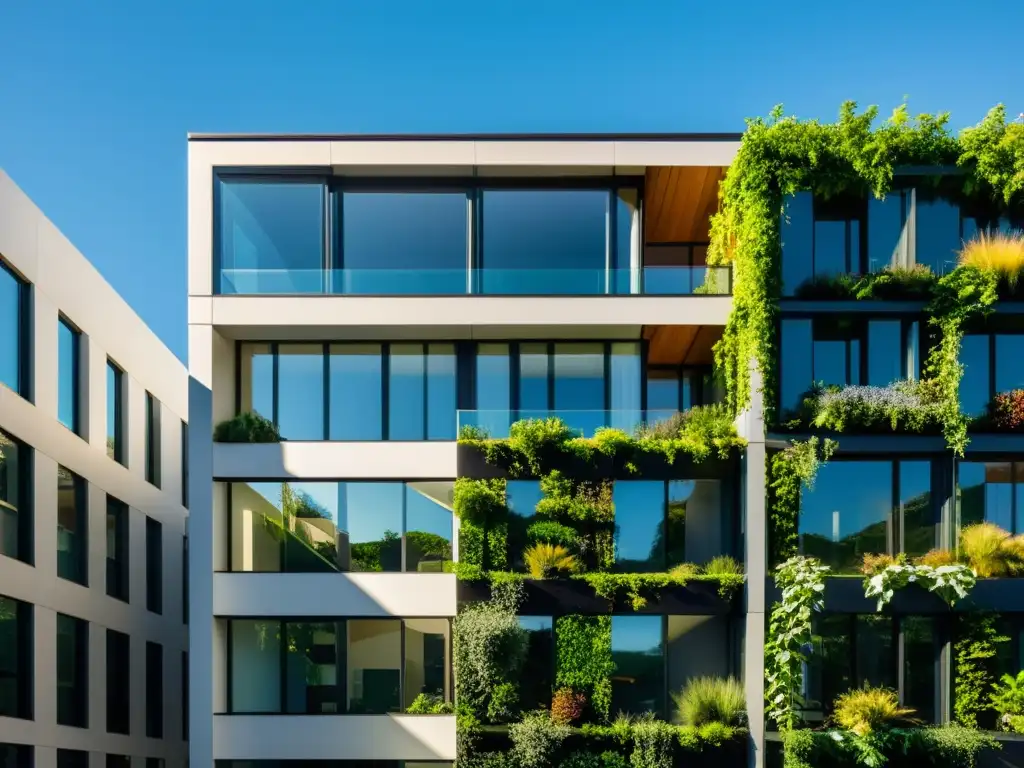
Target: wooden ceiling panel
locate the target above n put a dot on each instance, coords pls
(678, 201)
(701, 352)
(681, 344)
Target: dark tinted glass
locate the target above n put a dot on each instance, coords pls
(538, 669)
(920, 664)
(937, 234)
(118, 682)
(72, 527)
(986, 493)
(920, 527)
(154, 566)
(16, 674)
(885, 352)
(638, 655)
(255, 672)
(797, 233)
(887, 231)
(154, 690)
(72, 671)
(117, 549)
(115, 419)
(1009, 362)
(15, 513)
(796, 374)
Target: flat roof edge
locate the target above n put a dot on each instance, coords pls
(198, 136)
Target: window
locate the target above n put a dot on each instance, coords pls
(395, 391)
(270, 235)
(72, 527)
(154, 566)
(639, 525)
(990, 491)
(861, 507)
(154, 690)
(849, 651)
(993, 363)
(68, 364)
(638, 655)
(699, 646)
(349, 526)
(119, 682)
(537, 676)
(119, 761)
(184, 695)
(937, 234)
(184, 579)
(14, 331)
(681, 268)
(521, 498)
(16, 672)
(353, 666)
(15, 499)
(402, 242)
(17, 756)
(153, 464)
(821, 237)
(72, 671)
(72, 758)
(117, 549)
(115, 414)
(155, 762)
(840, 351)
(184, 464)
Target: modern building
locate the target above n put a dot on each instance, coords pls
(378, 297)
(93, 410)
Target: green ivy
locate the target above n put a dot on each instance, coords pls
(583, 658)
(974, 651)
(481, 509)
(790, 471)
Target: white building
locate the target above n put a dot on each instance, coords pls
(370, 295)
(93, 635)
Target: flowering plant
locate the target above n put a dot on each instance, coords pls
(1006, 410)
(903, 406)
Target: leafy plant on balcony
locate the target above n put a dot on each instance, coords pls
(974, 653)
(902, 406)
(950, 582)
(914, 283)
(430, 704)
(706, 700)
(537, 739)
(1007, 699)
(247, 427)
(489, 647)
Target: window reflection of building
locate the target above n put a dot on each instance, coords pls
(990, 491)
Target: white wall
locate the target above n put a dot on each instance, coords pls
(63, 282)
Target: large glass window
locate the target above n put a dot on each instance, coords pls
(356, 393)
(154, 690)
(638, 655)
(821, 237)
(300, 400)
(422, 386)
(270, 235)
(862, 507)
(537, 678)
(697, 646)
(354, 666)
(13, 331)
(403, 242)
(698, 522)
(17, 756)
(358, 526)
(154, 457)
(639, 525)
(992, 363)
(888, 230)
(115, 414)
(119, 685)
(680, 269)
(72, 671)
(72, 758)
(68, 375)
(17, 678)
(937, 234)
(72, 527)
(990, 491)
(117, 548)
(15, 496)
(545, 241)
(154, 566)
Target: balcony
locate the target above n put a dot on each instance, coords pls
(653, 281)
(496, 423)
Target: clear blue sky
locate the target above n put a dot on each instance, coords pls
(96, 97)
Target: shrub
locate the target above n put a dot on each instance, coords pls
(567, 706)
(489, 649)
(868, 709)
(1006, 411)
(828, 287)
(248, 427)
(582, 760)
(714, 734)
(550, 532)
(684, 572)
(891, 283)
(876, 563)
(936, 558)
(536, 740)
(903, 406)
(653, 742)
(1008, 696)
(430, 704)
(1002, 254)
(710, 699)
(546, 560)
(954, 746)
(504, 704)
(611, 759)
(723, 565)
(991, 551)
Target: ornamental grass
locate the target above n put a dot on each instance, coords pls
(1001, 253)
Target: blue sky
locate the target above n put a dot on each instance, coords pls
(96, 98)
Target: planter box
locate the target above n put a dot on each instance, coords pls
(846, 595)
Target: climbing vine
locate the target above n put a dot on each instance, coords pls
(790, 471)
(974, 652)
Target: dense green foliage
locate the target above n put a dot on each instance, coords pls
(248, 427)
(489, 647)
(948, 746)
(974, 653)
(790, 471)
(428, 704)
(706, 700)
(915, 283)
(583, 658)
(483, 522)
(950, 582)
(902, 406)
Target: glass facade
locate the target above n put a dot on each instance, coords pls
(348, 526)
(117, 549)
(72, 527)
(72, 671)
(154, 566)
(154, 690)
(862, 507)
(992, 363)
(17, 677)
(14, 328)
(119, 687)
(116, 443)
(68, 354)
(352, 666)
(990, 491)
(15, 499)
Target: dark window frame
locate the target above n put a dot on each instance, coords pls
(25, 500)
(118, 682)
(24, 633)
(78, 717)
(120, 448)
(23, 333)
(81, 499)
(154, 458)
(154, 690)
(75, 373)
(118, 566)
(154, 566)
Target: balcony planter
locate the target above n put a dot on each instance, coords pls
(846, 595)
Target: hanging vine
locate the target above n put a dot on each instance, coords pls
(790, 471)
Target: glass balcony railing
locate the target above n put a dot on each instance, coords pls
(664, 281)
(496, 423)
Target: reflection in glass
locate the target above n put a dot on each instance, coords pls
(975, 385)
(875, 661)
(986, 493)
(11, 331)
(405, 393)
(797, 231)
(492, 378)
(300, 387)
(638, 683)
(846, 514)
(441, 384)
(920, 527)
(697, 646)
(427, 659)
(67, 375)
(885, 352)
(537, 678)
(830, 248)
(255, 665)
(71, 526)
(663, 390)
(624, 384)
(796, 356)
(115, 418)
(627, 246)
(13, 514)
(937, 234)
(921, 650)
(270, 236)
(521, 497)
(888, 230)
(374, 659)
(545, 241)
(371, 513)
(257, 380)
(311, 674)
(639, 525)
(355, 392)
(1009, 362)
(428, 515)
(697, 527)
(580, 384)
